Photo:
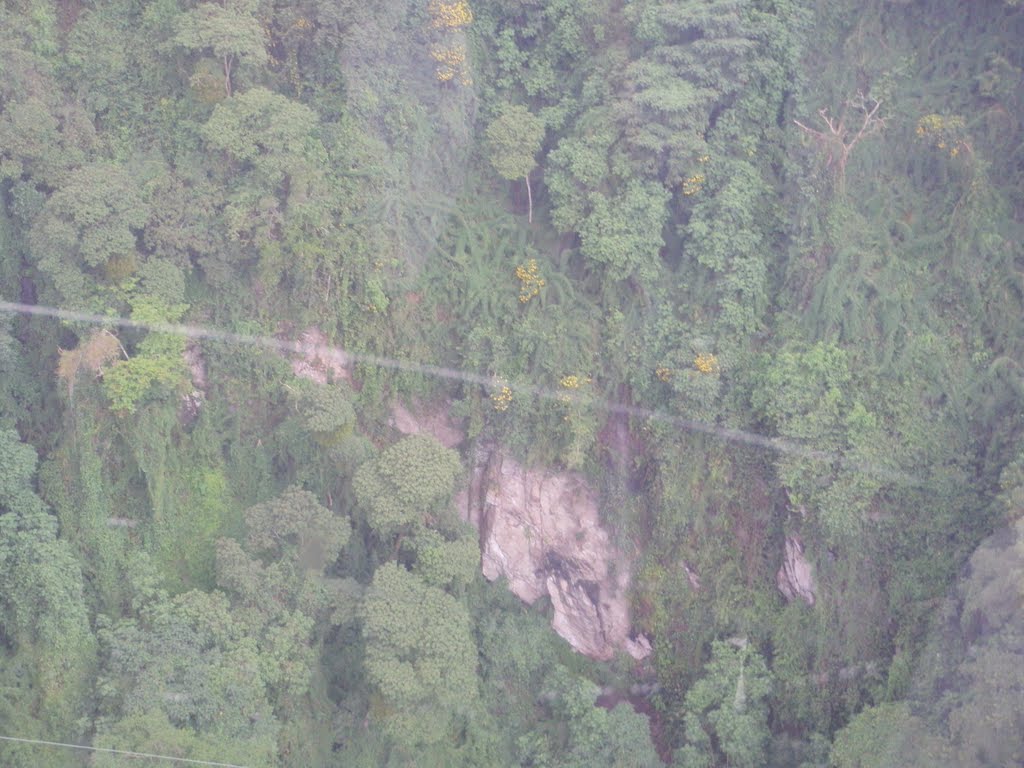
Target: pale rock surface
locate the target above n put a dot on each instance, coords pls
(796, 576)
(423, 419)
(317, 360)
(192, 401)
(541, 530)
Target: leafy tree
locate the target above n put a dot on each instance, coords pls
(275, 174)
(443, 563)
(326, 411)
(595, 736)
(229, 29)
(158, 362)
(267, 130)
(727, 715)
(47, 652)
(420, 655)
(514, 139)
(296, 527)
(42, 135)
(805, 393)
(886, 736)
(409, 482)
(726, 234)
(183, 673)
(280, 589)
(624, 231)
(88, 230)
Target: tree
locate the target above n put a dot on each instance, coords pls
(420, 655)
(276, 168)
(183, 674)
(280, 589)
(726, 710)
(442, 563)
(857, 121)
(47, 649)
(89, 228)
(595, 737)
(514, 139)
(326, 411)
(410, 482)
(295, 526)
(886, 736)
(806, 394)
(158, 363)
(230, 29)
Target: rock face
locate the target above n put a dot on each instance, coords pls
(541, 531)
(795, 577)
(317, 360)
(434, 421)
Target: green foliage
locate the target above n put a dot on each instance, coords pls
(409, 482)
(420, 656)
(158, 362)
(326, 411)
(624, 231)
(186, 668)
(803, 392)
(727, 235)
(230, 30)
(727, 717)
(296, 526)
(265, 129)
(86, 234)
(514, 139)
(884, 736)
(442, 563)
(265, 168)
(48, 652)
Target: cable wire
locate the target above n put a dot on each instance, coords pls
(743, 436)
(126, 752)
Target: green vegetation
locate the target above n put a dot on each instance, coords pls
(792, 230)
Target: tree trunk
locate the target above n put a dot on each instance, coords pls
(529, 200)
(227, 74)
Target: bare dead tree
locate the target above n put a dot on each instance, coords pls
(857, 120)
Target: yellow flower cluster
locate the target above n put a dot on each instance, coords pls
(571, 382)
(663, 373)
(705, 362)
(942, 132)
(703, 159)
(693, 185)
(449, 15)
(451, 61)
(502, 398)
(530, 280)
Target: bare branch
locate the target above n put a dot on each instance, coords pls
(838, 140)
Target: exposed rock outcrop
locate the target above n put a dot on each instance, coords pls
(317, 360)
(541, 530)
(423, 419)
(192, 401)
(795, 577)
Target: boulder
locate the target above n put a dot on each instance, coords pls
(541, 531)
(796, 576)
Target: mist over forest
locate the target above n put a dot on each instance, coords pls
(546, 383)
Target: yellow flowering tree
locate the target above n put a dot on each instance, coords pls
(448, 20)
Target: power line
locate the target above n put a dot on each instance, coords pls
(126, 752)
(741, 436)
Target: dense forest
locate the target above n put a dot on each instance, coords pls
(752, 269)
